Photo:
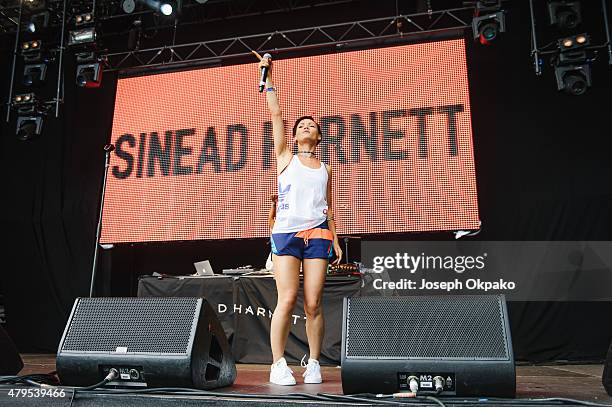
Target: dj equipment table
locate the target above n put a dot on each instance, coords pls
(245, 304)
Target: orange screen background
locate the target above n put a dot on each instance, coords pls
(417, 192)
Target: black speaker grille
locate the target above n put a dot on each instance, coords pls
(149, 325)
(470, 327)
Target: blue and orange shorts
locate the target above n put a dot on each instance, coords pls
(315, 243)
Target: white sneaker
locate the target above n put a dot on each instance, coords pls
(312, 375)
(281, 374)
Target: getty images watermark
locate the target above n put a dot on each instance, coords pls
(523, 271)
(413, 264)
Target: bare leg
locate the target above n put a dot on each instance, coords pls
(287, 276)
(314, 279)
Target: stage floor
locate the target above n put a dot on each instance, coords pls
(581, 382)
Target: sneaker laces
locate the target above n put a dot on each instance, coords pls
(309, 366)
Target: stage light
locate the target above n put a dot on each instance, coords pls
(24, 99)
(89, 70)
(83, 19)
(569, 46)
(28, 127)
(489, 20)
(33, 52)
(573, 79)
(89, 75)
(166, 9)
(486, 28)
(38, 22)
(29, 115)
(572, 68)
(82, 36)
(31, 47)
(573, 49)
(34, 74)
(128, 6)
(564, 14)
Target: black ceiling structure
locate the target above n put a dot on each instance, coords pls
(143, 40)
(193, 11)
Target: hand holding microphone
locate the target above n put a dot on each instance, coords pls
(265, 65)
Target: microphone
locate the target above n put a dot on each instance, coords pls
(264, 73)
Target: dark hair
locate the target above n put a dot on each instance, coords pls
(307, 117)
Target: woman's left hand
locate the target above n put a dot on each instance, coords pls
(338, 251)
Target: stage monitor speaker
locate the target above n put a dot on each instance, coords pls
(10, 361)
(152, 342)
(447, 345)
(606, 379)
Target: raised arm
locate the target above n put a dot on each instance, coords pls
(283, 155)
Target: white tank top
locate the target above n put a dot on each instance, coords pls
(302, 197)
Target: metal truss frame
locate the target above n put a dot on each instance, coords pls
(107, 10)
(337, 35)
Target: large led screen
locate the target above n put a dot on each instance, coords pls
(194, 156)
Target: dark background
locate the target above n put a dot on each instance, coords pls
(543, 169)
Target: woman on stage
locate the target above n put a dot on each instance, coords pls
(304, 234)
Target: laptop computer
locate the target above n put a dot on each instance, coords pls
(203, 268)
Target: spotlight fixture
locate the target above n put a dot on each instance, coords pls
(573, 79)
(565, 15)
(572, 67)
(30, 112)
(38, 22)
(89, 75)
(574, 42)
(32, 51)
(89, 70)
(489, 20)
(28, 127)
(24, 99)
(31, 47)
(34, 74)
(82, 36)
(128, 6)
(83, 19)
(167, 8)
